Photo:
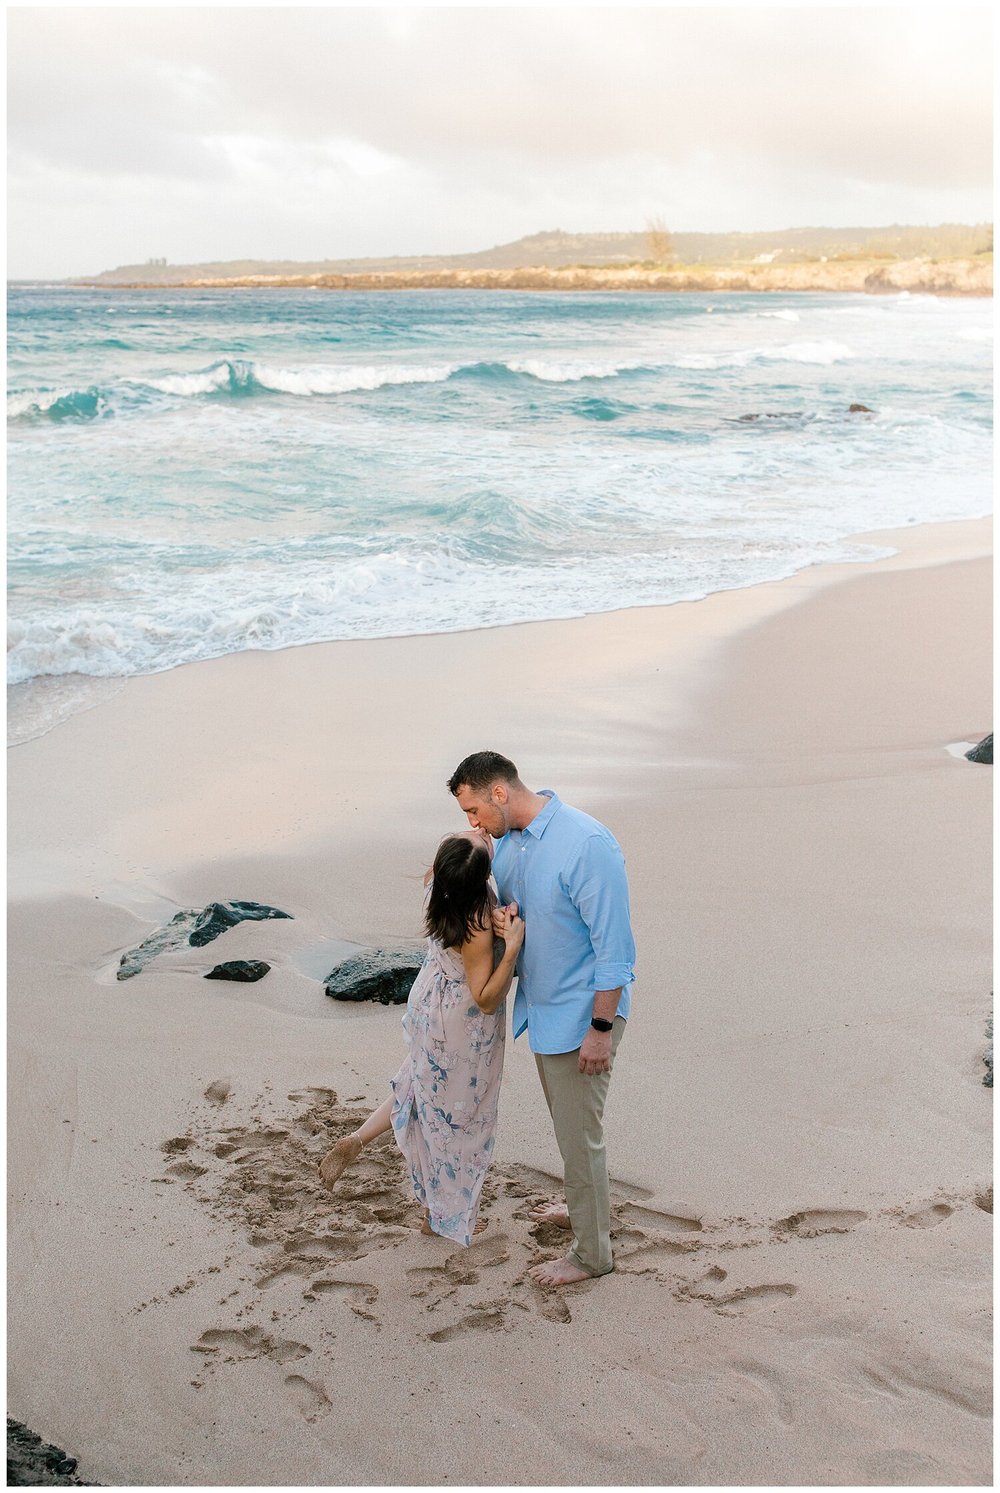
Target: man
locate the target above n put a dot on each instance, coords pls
(566, 874)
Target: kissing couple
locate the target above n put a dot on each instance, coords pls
(559, 920)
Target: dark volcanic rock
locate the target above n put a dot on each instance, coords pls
(384, 975)
(171, 937)
(218, 916)
(852, 409)
(772, 415)
(193, 927)
(983, 752)
(33, 1463)
(988, 1056)
(246, 970)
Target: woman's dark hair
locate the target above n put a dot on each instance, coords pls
(460, 899)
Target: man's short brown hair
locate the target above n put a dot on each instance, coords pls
(481, 770)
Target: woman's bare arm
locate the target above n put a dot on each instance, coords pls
(489, 986)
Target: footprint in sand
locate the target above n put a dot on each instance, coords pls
(928, 1217)
(317, 1248)
(629, 1192)
(483, 1253)
(756, 1296)
(984, 1200)
(186, 1170)
(439, 1282)
(814, 1222)
(357, 1295)
(176, 1144)
(488, 1317)
(233, 1344)
(310, 1095)
(293, 1270)
(259, 1140)
(524, 1181)
(551, 1305)
(527, 1181)
(732, 1303)
(309, 1398)
(546, 1235)
(678, 1220)
(462, 1268)
(638, 1254)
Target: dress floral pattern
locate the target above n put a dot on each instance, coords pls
(444, 1113)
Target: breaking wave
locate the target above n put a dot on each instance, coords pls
(239, 379)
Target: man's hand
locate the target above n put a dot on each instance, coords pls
(595, 1053)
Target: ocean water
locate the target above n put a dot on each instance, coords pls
(193, 473)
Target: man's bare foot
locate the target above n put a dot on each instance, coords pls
(558, 1273)
(341, 1156)
(556, 1213)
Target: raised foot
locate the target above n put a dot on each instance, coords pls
(556, 1213)
(341, 1156)
(558, 1273)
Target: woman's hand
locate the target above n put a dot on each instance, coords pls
(509, 927)
(500, 914)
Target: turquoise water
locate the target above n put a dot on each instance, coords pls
(193, 473)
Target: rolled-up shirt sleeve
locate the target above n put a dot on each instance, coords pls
(598, 887)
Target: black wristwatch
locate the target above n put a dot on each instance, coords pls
(600, 1025)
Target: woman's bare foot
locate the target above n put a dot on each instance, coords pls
(556, 1213)
(558, 1273)
(342, 1155)
(425, 1225)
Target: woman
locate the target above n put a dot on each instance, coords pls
(443, 1107)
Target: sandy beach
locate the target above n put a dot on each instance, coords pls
(798, 1133)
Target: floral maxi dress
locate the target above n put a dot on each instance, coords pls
(444, 1114)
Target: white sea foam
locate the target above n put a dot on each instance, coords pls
(821, 353)
(189, 385)
(566, 372)
(313, 379)
(386, 595)
(345, 380)
(35, 401)
(785, 315)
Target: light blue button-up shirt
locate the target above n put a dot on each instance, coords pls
(566, 872)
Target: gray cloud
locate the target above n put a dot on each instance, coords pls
(211, 132)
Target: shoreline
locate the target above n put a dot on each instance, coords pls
(798, 1134)
(959, 277)
(72, 694)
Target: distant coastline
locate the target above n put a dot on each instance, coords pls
(970, 276)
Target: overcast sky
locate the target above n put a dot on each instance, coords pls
(197, 133)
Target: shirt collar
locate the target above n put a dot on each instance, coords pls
(544, 817)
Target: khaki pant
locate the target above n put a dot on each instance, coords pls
(576, 1104)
